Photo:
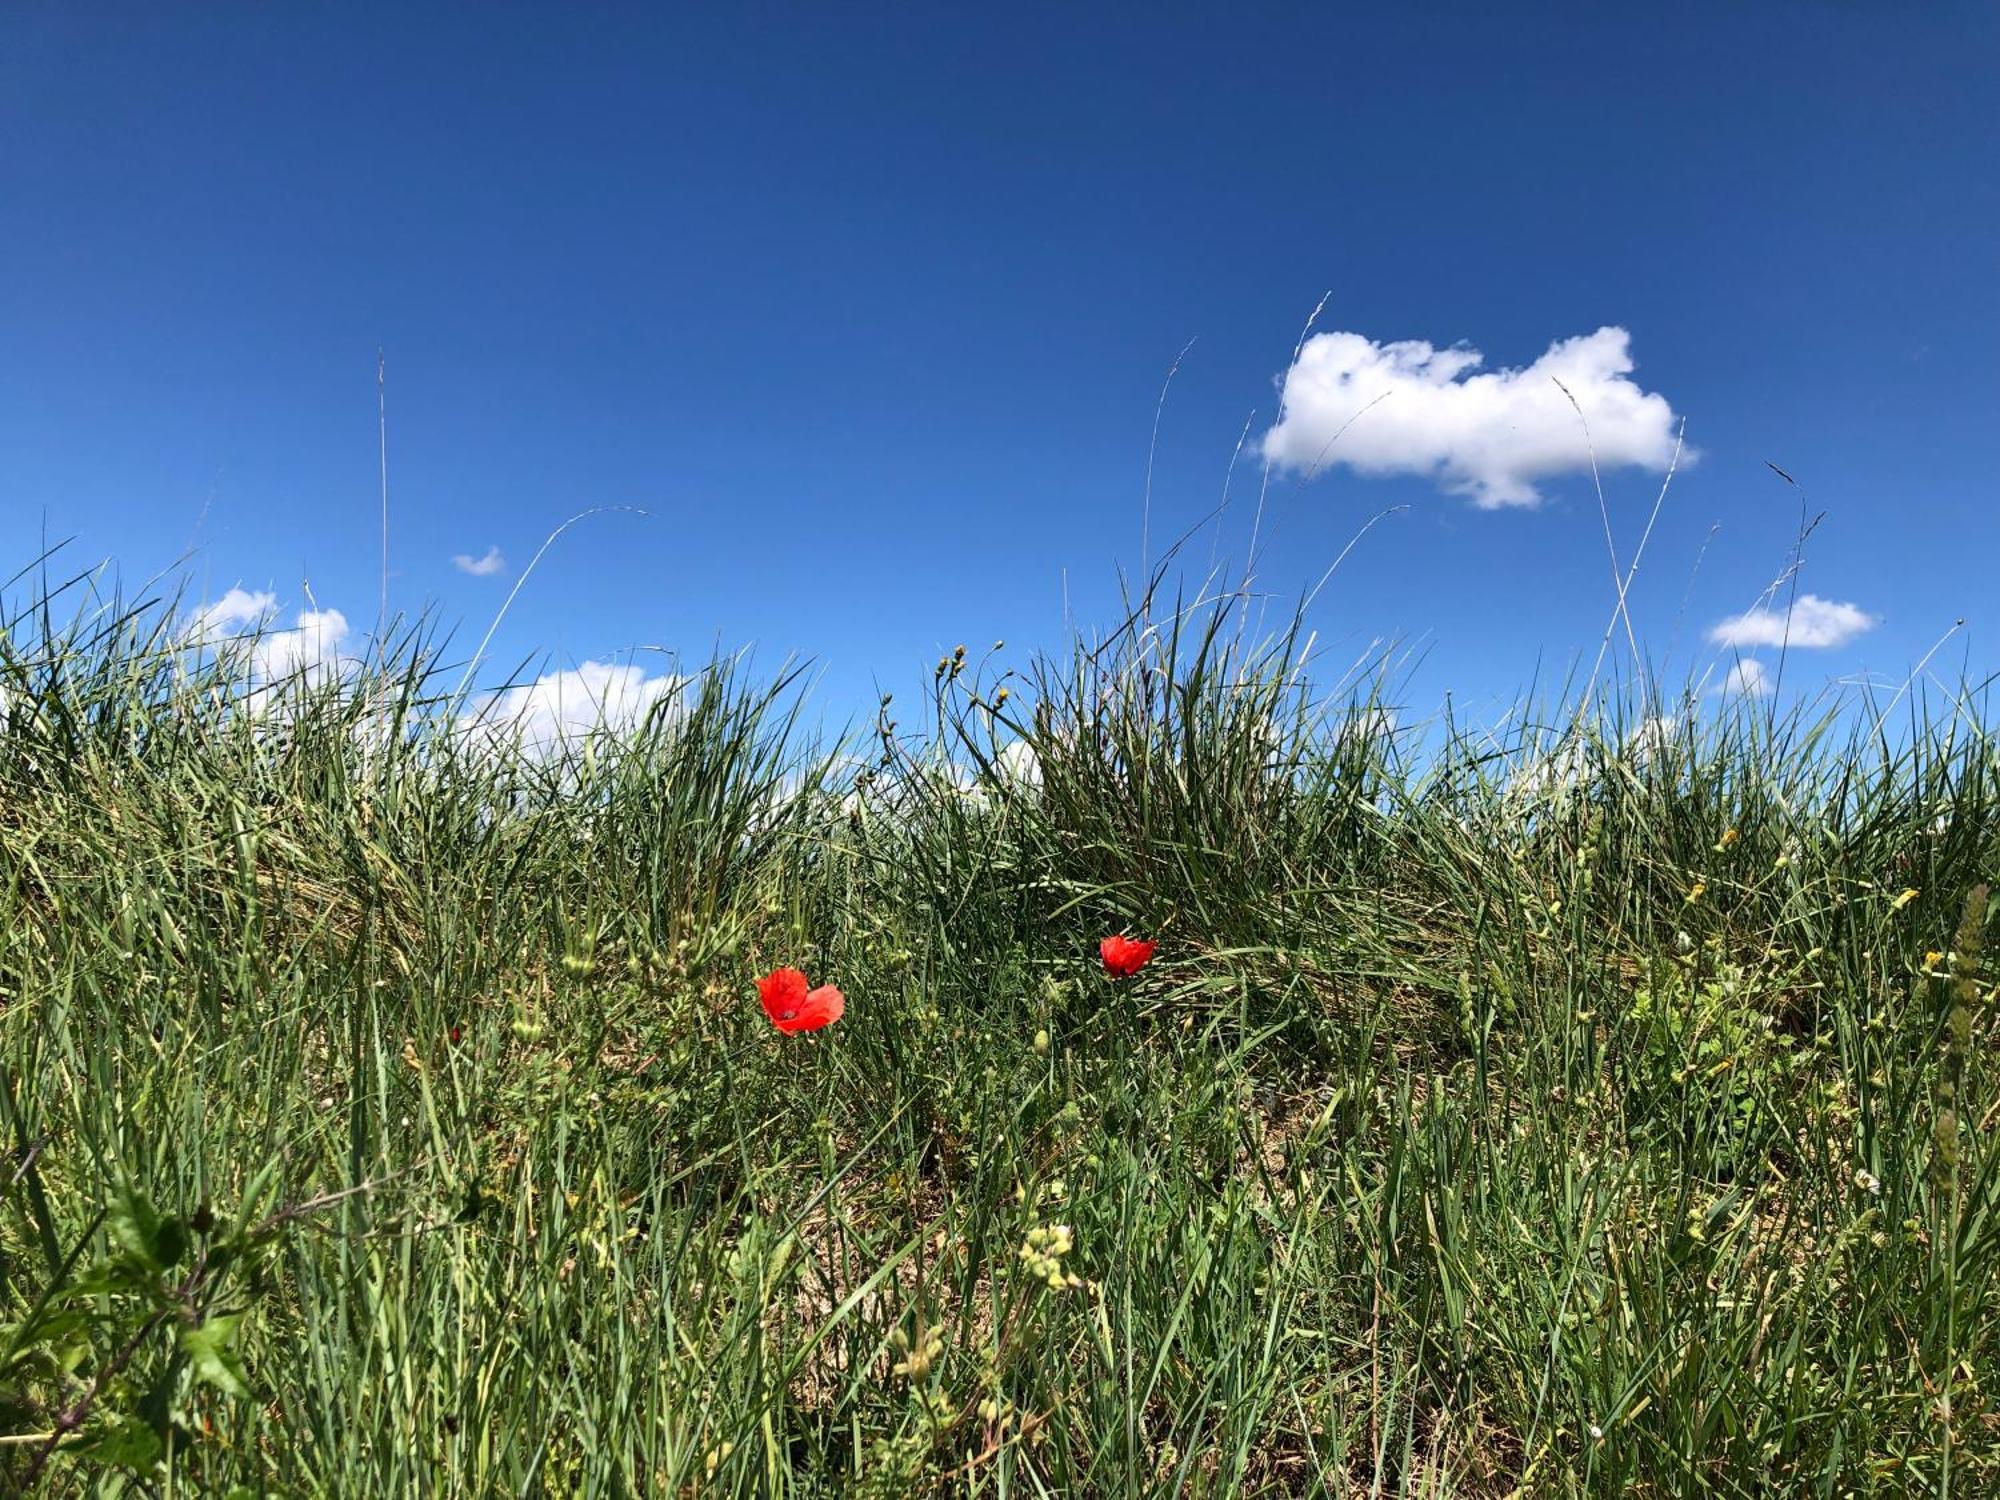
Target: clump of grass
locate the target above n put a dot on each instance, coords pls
(1585, 1112)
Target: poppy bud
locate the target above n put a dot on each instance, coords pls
(1042, 1043)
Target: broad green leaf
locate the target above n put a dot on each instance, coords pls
(135, 1226)
(211, 1349)
(121, 1440)
(170, 1242)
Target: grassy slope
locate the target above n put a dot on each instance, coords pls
(1474, 1129)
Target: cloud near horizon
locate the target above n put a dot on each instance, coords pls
(537, 716)
(1812, 623)
(480, 567)
(313, 649)
(560, 706)
(239, 622)
(1412, 408)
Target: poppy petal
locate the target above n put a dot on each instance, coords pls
(783, 992)
(822, 1007)
(1123, 957)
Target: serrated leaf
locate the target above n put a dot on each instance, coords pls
(170, 1243)
(52, 1327)
(42, 1345)
(156, 1407)
(121, 1441)
(211, 1351)
(135, 1226)
(96, 1282)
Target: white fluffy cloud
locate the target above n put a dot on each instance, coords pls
(560, 706)
(1018, 765)
(1579, 757)
(312, 650)
(237, 610)
(238, 627)
(480, 567)
(1412, 408)
(1813, 622)
(1746, 679)
(1370, 724)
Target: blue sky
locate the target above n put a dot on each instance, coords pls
(871, 314)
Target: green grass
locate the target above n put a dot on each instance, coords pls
(1574, 1114)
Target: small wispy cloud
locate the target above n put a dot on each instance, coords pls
(1412, 408)
(480, 567)
(1811, 623)
(1746, 679)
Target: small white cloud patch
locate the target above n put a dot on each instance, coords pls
(238, 610)
(1412, 408)
(480, 567)
(1019, 765)
(1746, 679)
(1812, 622)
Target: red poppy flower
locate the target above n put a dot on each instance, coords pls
(457, 1034)
(792, 1006)
(1123, 957)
